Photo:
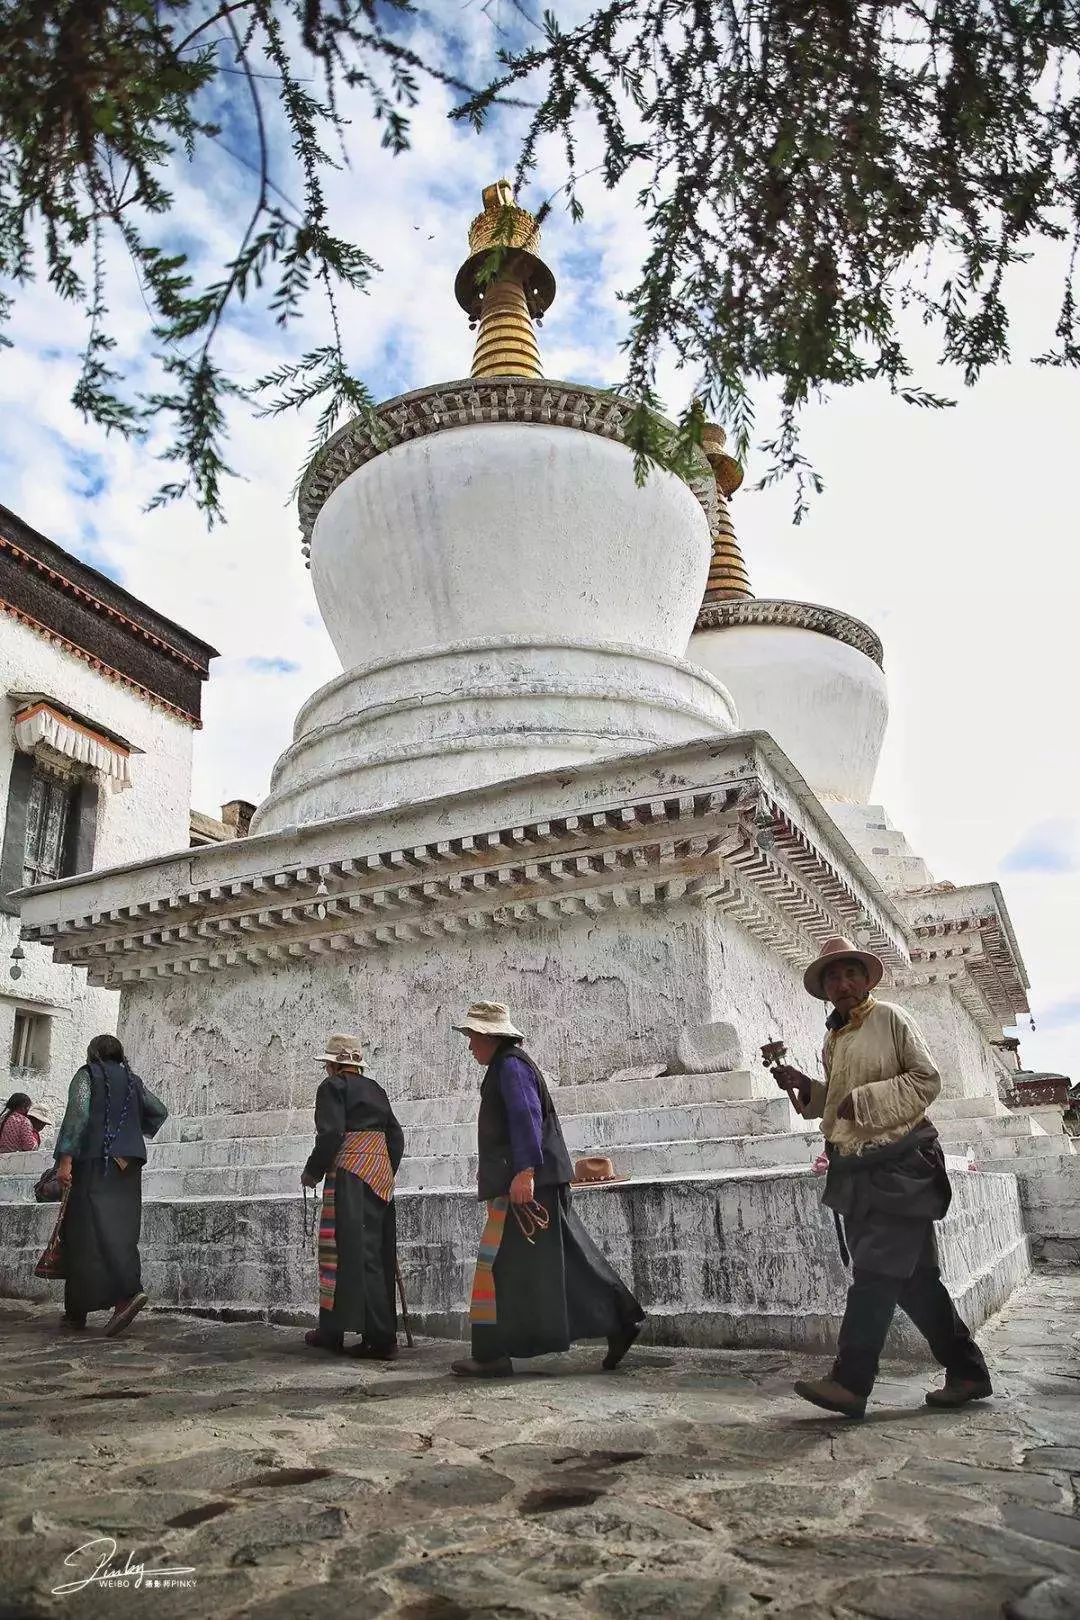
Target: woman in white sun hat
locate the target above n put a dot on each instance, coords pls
(358, 1147)
(540, 1282)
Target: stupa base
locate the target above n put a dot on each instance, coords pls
(743, 1259)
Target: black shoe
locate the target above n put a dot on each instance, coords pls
(319, 1341)
(373, 1352)
(958, 1391)
(72, 1323)
(618, 1344)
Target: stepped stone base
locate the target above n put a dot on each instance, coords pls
(1050, 1196)
(742, 1259)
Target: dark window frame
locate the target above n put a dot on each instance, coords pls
(78, 837)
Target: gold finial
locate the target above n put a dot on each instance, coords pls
(521, 289)
(728, 578)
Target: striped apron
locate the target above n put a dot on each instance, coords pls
(482, 1304)
(362, 1154)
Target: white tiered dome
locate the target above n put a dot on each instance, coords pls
(503, 596)
(809, 676)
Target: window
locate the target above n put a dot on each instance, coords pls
(30, 1042)
(50, 824)
(48, 811)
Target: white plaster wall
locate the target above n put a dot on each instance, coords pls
(503, 529)
(76, 1012)
(150, 818)
(967, 1061)
(592, 997)
(824, 702)
(763, 996)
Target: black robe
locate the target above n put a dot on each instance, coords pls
(364, 1228)
(103, 1217)
(557, 1288)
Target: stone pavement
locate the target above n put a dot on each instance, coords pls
(690, 1484)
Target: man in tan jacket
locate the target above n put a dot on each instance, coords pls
(886, 1179)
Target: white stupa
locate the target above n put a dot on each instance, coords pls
(548, 774)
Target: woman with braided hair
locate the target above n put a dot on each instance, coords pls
(100, 1152)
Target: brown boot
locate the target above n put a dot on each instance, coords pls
(124, 1314)
(960, 1391)
(832, 1396)
(502, 1367)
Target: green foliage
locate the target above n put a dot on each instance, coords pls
(811, 170)
(814, 174)
(97, 98)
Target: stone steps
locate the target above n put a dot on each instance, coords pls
(241, 1178)
(1016, 1150)
(748, 1087)
(984, 1107)
(585, 1133)
(979, 1127)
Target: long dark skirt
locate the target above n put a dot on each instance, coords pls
(366, 1236)
(101, 1236)
(553, 1291)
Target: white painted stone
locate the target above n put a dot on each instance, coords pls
(769, 1273)
(643, 1071)
(481, 711)
(1050, 1193)
(712, 1048)
(1049, 1119)
(823, 701)
(503, 597)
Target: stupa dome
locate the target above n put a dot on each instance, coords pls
(502, 594)
(810, 676)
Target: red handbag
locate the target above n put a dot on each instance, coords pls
(51, 1265)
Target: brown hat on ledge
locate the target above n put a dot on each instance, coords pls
(840, 950)
(594, 1172)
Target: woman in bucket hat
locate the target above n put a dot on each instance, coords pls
(540, 1282)
(358, 1147)
(886, 1179)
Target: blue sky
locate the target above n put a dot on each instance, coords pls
(954, 534)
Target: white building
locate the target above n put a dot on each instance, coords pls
(100, 700)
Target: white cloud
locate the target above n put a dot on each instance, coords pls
(953, 534)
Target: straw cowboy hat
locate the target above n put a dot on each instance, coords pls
(345, 1050)
(40, 1113)
(488, 1018)
(593, 1172)
(840, 950)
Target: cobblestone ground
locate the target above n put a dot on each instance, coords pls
(689, 1484)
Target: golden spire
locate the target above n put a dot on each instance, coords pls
(521, 289)
(728, 579)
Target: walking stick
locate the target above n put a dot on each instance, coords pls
(404, 1305)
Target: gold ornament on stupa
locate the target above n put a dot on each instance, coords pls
(728, 578)
(506, 302)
